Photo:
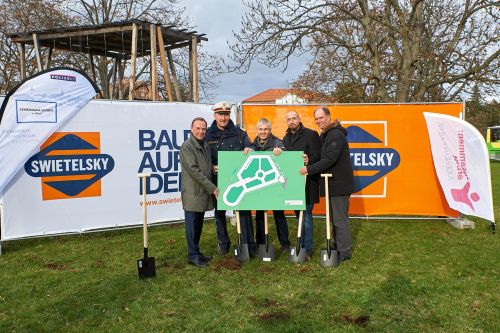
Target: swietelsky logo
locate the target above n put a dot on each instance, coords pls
(371, 157)
(70, 165)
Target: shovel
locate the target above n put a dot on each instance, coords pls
(328, 257)
(145, 266)
(266, 251)
(241, 250)
(298, 253)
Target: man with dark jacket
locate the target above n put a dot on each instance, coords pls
(197, 188)
(300, 138)
(223, 135)
(335, 159)
(266, 141)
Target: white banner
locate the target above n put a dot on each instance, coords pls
(462, 165)
(84, 176)
(34, 110)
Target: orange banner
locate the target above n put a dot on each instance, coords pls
(390, 153)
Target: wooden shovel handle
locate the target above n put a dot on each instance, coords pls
(238, 227)
(327, 204)
(301, 214)
(144, 210)
(266, 229)
(299, 229)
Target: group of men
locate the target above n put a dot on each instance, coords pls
(324, 153)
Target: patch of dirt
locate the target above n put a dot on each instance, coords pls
(100, 263)
(170, 241)
(269, 303)
(273, 316)
(57, 267)
(266, 269)
(171, 265)
(168, 313)
(440, 232)
(304, 269)
(359, 321)
(226, 263)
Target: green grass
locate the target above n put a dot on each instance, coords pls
(421, 276)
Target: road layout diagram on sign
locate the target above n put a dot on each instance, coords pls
(260, 180)
(258, 171)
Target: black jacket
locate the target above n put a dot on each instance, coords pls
(308, 141)
(271, 143)
(335, 159)
(231, 139)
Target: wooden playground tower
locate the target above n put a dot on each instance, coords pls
(120, 42)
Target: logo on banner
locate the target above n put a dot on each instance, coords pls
(70, 165)
(36, 111)
(371, 157)
(460, 170)
(63, 77)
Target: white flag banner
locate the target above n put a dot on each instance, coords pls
(462, 165)
(36, 108)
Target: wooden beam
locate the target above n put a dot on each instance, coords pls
(196, 93)
(79, 33)
(92, 67)
(133, 61)
(178, 96)
(48, 58)
(120, 78)
(83, 49)
(166, 74)
(113, 79)
(154, 76)
(190, 71)
(22, 59)
(36, 44)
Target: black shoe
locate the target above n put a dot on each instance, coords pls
(285, 249)
(344, 257)
(222, 251)
(198, 263)
(205, 258)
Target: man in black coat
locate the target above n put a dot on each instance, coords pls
(335, 159)
(300, 138)
(223, 135)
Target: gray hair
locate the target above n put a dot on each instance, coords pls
(264, 121)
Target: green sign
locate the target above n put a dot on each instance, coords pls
(261, 181)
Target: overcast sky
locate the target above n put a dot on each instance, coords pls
(218, 19)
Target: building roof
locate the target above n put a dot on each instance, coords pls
(268, 96)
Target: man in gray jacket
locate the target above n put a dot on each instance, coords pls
(197, 188)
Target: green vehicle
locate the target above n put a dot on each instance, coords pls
(493, 142)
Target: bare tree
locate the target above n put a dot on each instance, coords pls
(27, 15)
(393, 50)
(166, 12)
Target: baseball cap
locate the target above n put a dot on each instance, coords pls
(223, 107)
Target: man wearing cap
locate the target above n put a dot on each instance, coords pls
(335, 159)
(197, 188)
(300, 138)
(223, 135)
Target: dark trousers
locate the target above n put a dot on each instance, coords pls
(339, 208)
(246, 225)
(194, 226)
(281, 227)
(221, 229)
